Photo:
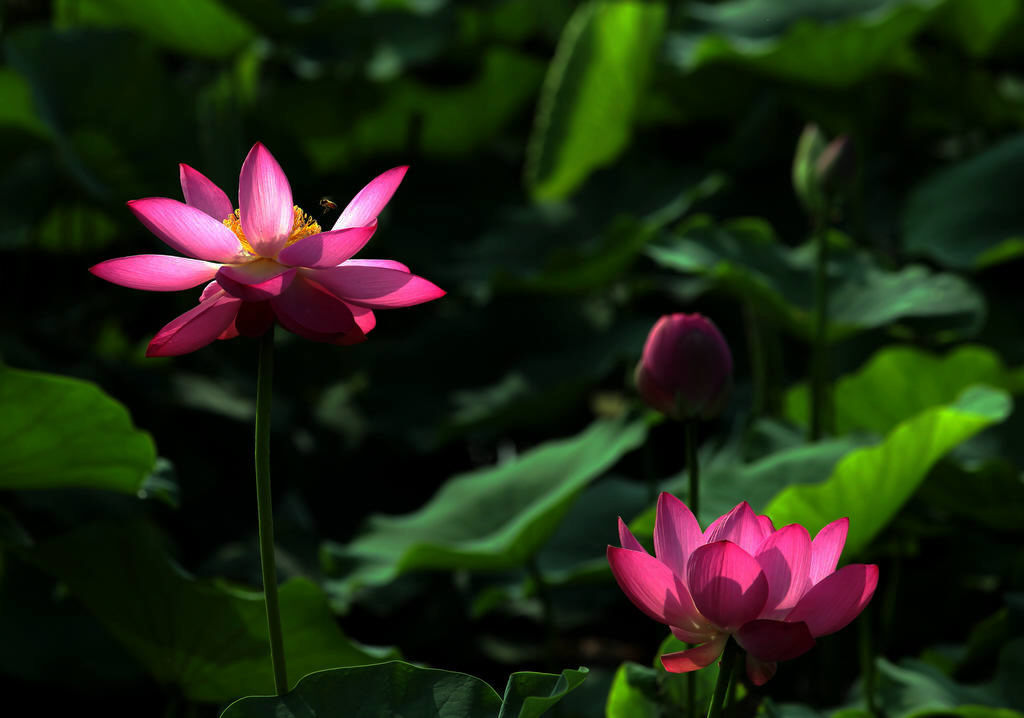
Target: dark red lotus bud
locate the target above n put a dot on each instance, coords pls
(686, 368)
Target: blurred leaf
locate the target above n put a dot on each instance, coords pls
(206, 638)
(577, 548)
(819, 42)
(17, 109)
(976, 26)
(493, 518)
(879, 396)
(401, 689)
(915, 689)
(634, 693)
(105, 112)
(727, 483)
(593, 88)
(964, 216)
(871, 485)
(441, 121)
(194, 27)
(75, 228)
(744, 258)
(57, 431)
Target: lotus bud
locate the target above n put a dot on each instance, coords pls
(686, 368)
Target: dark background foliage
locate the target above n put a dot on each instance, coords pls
(577, 170)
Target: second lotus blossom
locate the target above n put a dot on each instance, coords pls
(266, 260)
(774, 591)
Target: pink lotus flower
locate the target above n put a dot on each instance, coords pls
(773, 591)
(267, 260)
(686, 368)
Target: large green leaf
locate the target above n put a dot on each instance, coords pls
(819, 42)
(208, 639)
(18, 110)
(744, 258)
(57, 431)
(900, 382)
(964, 216)
(725, 484)
(401, 689)
(195, 27)
(494, 518)
(977, 26)
(593, 89)
(870, 485)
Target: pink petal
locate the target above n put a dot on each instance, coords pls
(826, 549)
(195, 328)
(265, 201)
(837, 599)
(327, 249)
(385, 263)
(739, 526)
(785, 557)
(771, 641)
(203, 194)
(627, 539)
(370, 200)
(209, 290)
(314, 310)
(155, 272)
(705, 634)
(767, 527)
(187, 229)
(695, 658)
(256, 281)
(760, 672)
(654, 589)
(376, 287)
(676, 533)
(364, 317)
(727, 584)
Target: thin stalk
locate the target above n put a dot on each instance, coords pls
(265, 510)
(692, 468)
(693, 471)
(758, 361)
(819, 350)
(726, 669)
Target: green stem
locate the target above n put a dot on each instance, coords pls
(726, 669)
(693, 471)
(819, 350)
(265, 509)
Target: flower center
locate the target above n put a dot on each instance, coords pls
(302, 226)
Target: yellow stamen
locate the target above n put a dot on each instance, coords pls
(302, 226)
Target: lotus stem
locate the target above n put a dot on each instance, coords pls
(819, 349)
(265, 509)
(726, 670)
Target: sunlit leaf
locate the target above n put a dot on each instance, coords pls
(870, 485)
(58, 432)
(594, 85)
(899, 382)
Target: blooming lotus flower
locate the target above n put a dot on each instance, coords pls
(686, 367)
(773, 591)
(265, 261)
